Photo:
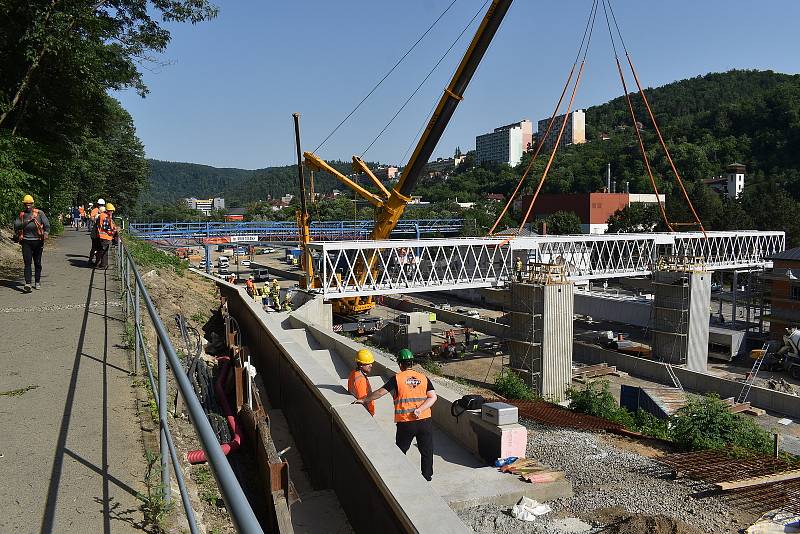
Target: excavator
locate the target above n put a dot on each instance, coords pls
(390, 205)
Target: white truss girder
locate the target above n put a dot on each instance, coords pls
(411, 265)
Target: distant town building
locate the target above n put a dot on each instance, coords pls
(731, 184)
(574, 132)
(442, 167)
(235, 214)
(593, 209)
(388, 173)
(495, 197)
(206, 206)
(505, 144)
(784, 291)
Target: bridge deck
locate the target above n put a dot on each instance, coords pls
(412, 265)
(72, 447)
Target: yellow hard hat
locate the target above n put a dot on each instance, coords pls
(110, 207)
(364, 357)
(27, 199)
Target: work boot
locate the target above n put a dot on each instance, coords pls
(26, 288)
(37, 286)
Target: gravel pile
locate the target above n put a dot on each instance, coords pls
(604, 478)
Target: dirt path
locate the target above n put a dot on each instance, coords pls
(71, 452)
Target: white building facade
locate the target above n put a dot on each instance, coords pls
(505, 144)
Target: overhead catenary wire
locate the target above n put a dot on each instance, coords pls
(549, 124)
(390, 71)
(563, 123)
(402, 107)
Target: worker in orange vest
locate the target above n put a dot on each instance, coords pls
(94, 215)
(413, 397)
(358, 382)
(31, 229)
(106, 233)
(251, 286)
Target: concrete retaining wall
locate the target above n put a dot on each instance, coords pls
(606, 307)
(773, 401)
(343, 448)
(481, 325)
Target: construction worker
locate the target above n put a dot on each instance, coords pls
(93, 216)
(287, 303)
(31, 229)
(518, 269)
(106, 233)
(251, 286)
(413, 397)
(275, 293)
(358, 383)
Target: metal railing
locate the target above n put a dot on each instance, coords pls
(134, 293)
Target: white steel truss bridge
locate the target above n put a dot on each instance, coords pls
(414, 265)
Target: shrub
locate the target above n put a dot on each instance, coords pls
(431, 366)
(706, 423)
(596, 399)
(148, 256)
(511, 386)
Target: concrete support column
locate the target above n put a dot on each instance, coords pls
(541, 326)
(681, 301)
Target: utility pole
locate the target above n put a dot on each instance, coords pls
(608, 178)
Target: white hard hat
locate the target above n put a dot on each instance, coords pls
(101, 201)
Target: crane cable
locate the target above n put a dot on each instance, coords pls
(386, 127)
(653, 120)
(403, 57)
(563, 123)
(549, 124)
(635, 122)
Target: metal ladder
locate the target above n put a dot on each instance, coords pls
(751, 378)
(673, 376)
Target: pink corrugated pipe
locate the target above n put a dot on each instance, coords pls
(199, 456)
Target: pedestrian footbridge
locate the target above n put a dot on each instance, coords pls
(414, 265)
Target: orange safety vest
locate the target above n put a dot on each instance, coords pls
(36, 222)
(358, 385)
(250, 286)
(81, 211)
(412, 391)
(102, 233)
(94, 212)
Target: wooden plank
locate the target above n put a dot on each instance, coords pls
(239, 382)
(587, 368)
(752, 410)
(757, 481)
(739, 407)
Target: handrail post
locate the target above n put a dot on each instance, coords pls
(162, 418)
(137, 326)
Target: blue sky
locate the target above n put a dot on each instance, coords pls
(226, 95)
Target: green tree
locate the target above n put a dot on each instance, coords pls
(64, 139)
(563, 222)
(635, 217)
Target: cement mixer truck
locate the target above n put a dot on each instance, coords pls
(782, 358)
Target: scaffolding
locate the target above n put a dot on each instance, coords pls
(541, 322)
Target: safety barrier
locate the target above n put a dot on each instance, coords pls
(244, 519)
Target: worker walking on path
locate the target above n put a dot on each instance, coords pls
(94, 215)
(413, 397)
(31, 229)
(106, 233)
(358, 382)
